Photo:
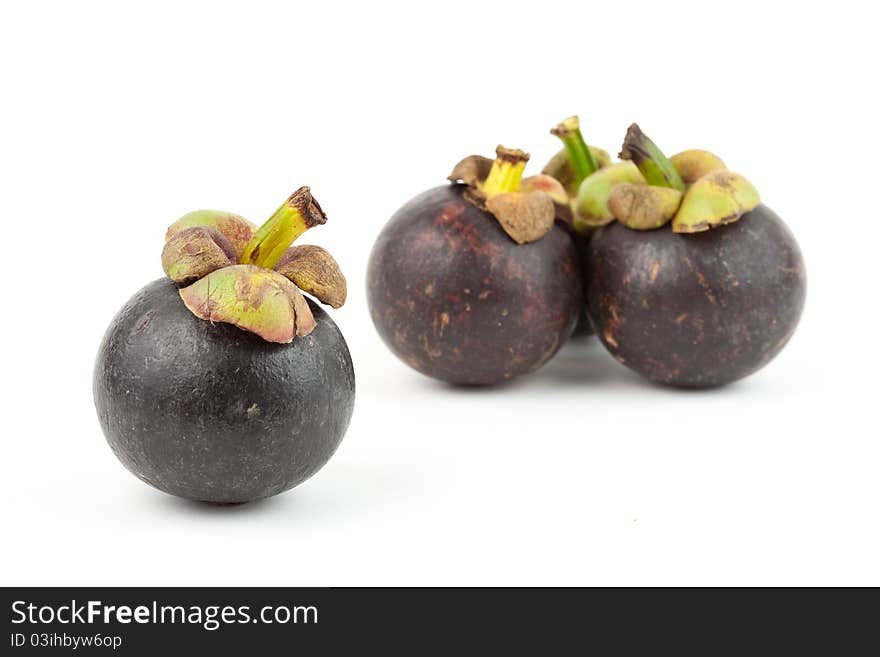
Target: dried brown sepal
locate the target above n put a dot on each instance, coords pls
(644, 207)
(236, 229)
(315, 272)
(472, 170)
(511, 155)
(591, 206)
(252, 298)
(553, 188)
(525, 217)
(195, 252)
(475, 196)
(305, 320)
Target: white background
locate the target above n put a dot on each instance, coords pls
(116, 119)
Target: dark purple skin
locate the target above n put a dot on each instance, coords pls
(213, 413)
(454, 297)
(583, 328)
(696, 310)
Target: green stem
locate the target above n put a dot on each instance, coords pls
(506, 172)
(650, 160)
(295, 216)
(582, 160)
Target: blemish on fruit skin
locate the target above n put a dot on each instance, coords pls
(450, 212)
(253, 410)
(609, 337)
(613, 324)
(144, 324)
(654, 270)
(473, 282)
(701, 279)
(444, 322)
(709, 330)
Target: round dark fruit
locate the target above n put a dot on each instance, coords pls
(696, 310)
(210, 412)
(454, 297)
(583, 328)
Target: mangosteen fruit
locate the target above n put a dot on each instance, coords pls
(473, 282)
(696, 284)
(222, 383)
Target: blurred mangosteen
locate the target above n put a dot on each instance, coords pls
(474, 283)
(696, 283)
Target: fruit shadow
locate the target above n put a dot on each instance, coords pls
(341, 489)
(582, 361)
(266, 506)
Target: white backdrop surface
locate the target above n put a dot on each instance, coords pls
(116, 119)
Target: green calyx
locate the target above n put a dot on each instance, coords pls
(251, 277)
(693, 190)
(718, 198)
(252, 298)
(591, 207)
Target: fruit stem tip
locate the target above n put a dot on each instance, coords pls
(306, 205)
(579, 154)
(295, 216)
(650, 160)
(506, 172)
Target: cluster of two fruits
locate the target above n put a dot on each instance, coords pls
(684, 275)
(474, 282)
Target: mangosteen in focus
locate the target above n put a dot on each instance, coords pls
(222, 383)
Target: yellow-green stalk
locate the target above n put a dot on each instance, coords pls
(506, 172)
(579, 154)
(295, 216)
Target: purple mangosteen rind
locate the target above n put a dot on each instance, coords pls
(697, 310)
(201, 409)
(691, 281)
(454, 297)
(211, 413)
